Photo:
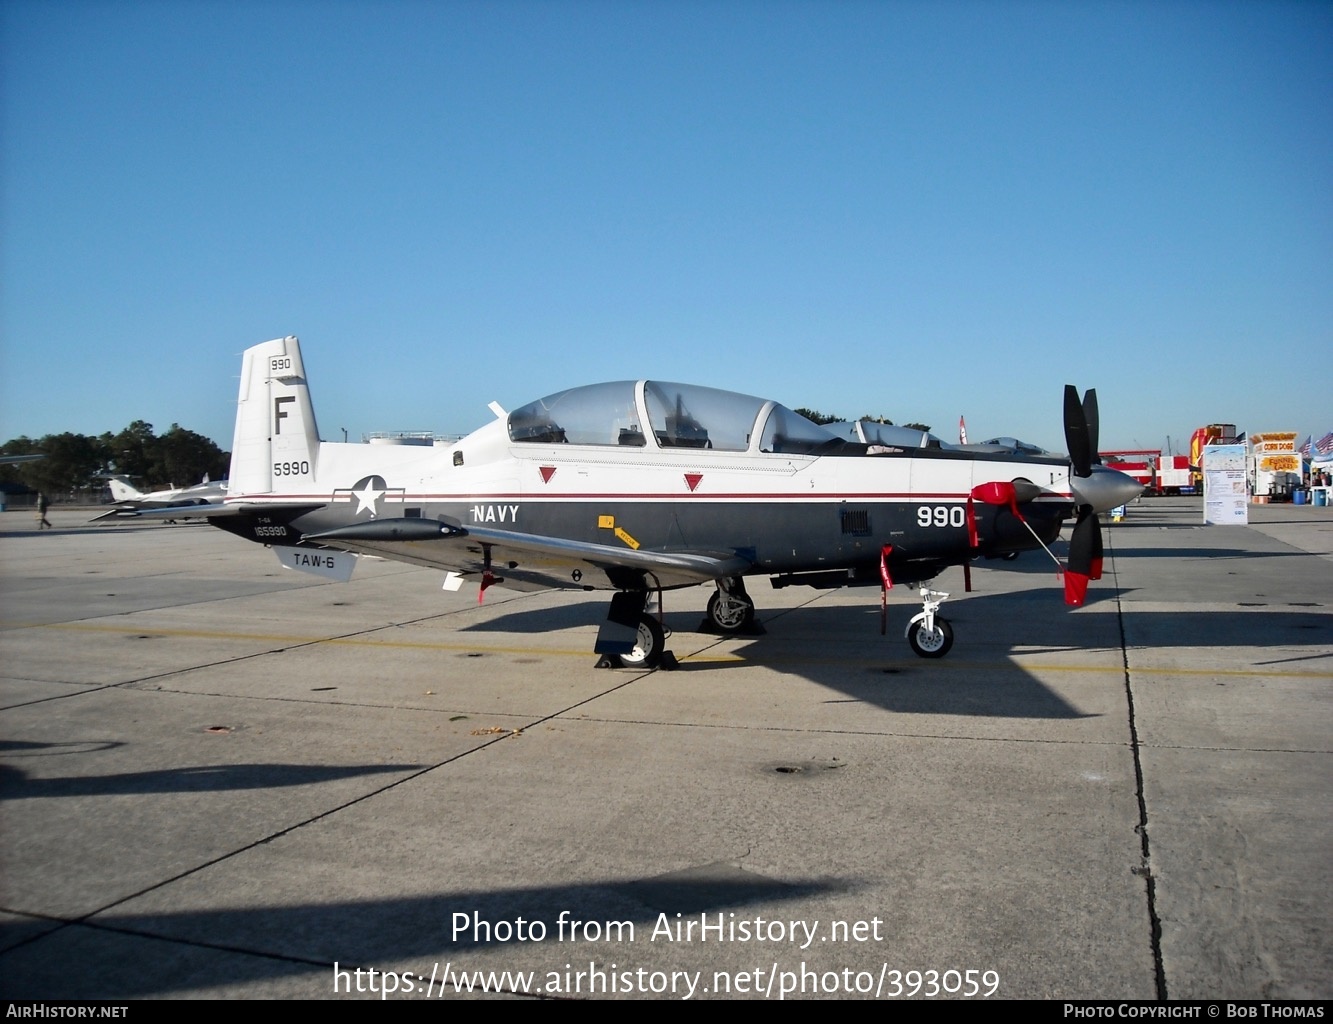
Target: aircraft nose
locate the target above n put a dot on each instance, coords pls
(1104, 488)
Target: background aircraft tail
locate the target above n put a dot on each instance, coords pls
(276, 445)
(122, 489)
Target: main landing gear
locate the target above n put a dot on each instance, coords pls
(649, 645)
(929, 633)
(730, 609)
(633, 635)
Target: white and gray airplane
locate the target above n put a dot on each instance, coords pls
(128, 498)
(639, 487)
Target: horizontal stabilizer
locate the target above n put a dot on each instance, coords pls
(178, 512)
(211, 511)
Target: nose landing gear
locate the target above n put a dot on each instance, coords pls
(929, 633)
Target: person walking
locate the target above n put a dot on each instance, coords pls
(42, 505)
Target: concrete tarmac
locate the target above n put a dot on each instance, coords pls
(221, 778)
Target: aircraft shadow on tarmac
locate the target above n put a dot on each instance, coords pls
(237, 946)
(16, 785)
(853, 659)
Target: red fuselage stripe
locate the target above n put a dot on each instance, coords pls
(346, 496)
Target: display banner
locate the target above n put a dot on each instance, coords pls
(1226, 494)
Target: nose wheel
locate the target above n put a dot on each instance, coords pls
(929, 633)
(930, 642)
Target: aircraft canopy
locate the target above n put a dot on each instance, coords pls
(678, 416)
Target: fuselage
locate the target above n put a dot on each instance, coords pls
(742, 479)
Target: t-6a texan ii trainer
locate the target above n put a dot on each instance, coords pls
(644, 486)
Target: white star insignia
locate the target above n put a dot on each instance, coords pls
(366, 498)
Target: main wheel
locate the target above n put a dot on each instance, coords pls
(730, 613)
(648, 648)
(931, 643)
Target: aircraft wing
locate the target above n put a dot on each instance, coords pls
(525, 560)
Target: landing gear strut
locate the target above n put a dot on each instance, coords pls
(929, 634)
(730, 609)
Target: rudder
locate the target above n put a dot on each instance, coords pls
(276, 444)
(122, 489)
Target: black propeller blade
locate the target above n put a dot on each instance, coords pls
(1085, 556)
(1076, 432)
(1090, 418)
(1085, 545)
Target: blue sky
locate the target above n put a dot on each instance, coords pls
(919, 210)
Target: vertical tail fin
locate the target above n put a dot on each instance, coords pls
(276, 444)
(122, 489)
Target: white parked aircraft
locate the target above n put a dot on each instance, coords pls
(643, 486)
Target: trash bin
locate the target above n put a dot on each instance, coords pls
(1298, 497)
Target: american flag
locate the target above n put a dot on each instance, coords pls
(1325, 444)
(1305, 448)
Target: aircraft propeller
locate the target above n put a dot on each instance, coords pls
(1085, 545)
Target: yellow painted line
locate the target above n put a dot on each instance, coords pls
(276, 638)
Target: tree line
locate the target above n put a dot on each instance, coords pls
(76, 465)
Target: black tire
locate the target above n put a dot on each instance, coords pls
(733, 613)
(934, 644)
(648, 650)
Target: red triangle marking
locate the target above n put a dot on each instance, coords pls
(547, 473)
(693, 479)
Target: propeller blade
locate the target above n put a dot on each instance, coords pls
(1085, 546)
(1091, 419)
(1076, 433)
(1085, 556)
